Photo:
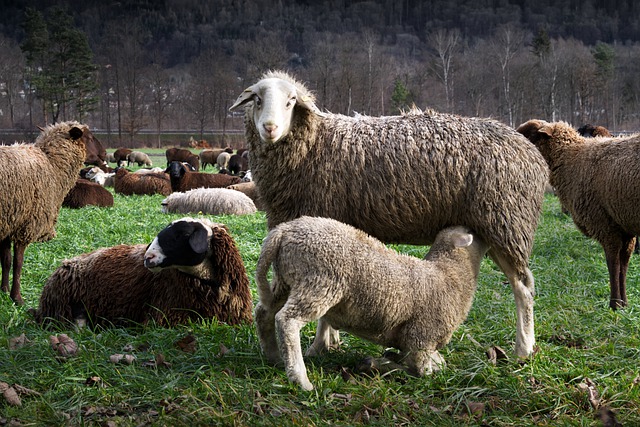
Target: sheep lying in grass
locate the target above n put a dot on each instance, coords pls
(191, 270)
(87, 193)
(127, 183)
(97, 175)
(35, 179)
(323, 269)
(209, 201)
(249, 189)
(409, 177)
(182, 179)
(596, 180)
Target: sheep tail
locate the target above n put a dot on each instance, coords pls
(270, 249)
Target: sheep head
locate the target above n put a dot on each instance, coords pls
(550, 138)
(271, 104)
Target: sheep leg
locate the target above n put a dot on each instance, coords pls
(628, 246)
(326, 338)
(18, 259)
(523, 288)
(288, 328)
(5, 259)
(615, 255)
(265, 326)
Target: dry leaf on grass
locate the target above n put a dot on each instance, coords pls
(127, 359)
(587, 386)
(18, 342)
(10, 395)
(188, 344)
(158, 361)
(496, 354)
(63, 345)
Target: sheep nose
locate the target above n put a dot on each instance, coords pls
(270, 127)
(150, 261)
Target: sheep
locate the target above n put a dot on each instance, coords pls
(191, 270)
(85, 193)
(590, 130)
(111, 158)
(238, 164)
(210, 156)
(183, 180)
(152, 170)
(98, 176)
(35, 179)
(209, 201)
(249, 189)
(96, 155)
(127, 183)
(139, 158)
(121, 155)
(324, 269)
(182, 155)
(596, 180)
(409, 176)
(223, 160)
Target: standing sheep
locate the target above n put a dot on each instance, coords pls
(35, 179)
(323, 269)
(121, 156)
(238, 164)
(191, 270)
(223, 160)
(209, 201)
(596, 180)
(210, 156)
(182, 155)
(139, 158)
(183, 180)
(410, 176)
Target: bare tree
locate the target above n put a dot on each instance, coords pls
(506, 43)
(445, 43)
(11, 77)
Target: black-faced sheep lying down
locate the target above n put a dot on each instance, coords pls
(410, 176)
(209, 201)
(191, 270)
(323, 269)
(87, 193)
(35, 179)
(182, 179)
(598, 181)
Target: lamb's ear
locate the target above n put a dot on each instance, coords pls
(245, 96)
(463, 240)
(199, 240)
(75, 133)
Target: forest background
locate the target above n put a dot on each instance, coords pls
(133, 67)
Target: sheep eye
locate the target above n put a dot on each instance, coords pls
(257, 101)
(291, 102)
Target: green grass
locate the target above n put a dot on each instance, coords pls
(227, 382)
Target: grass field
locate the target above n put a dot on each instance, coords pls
(585, 368)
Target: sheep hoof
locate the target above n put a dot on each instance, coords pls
(437, 361)
(615, 304)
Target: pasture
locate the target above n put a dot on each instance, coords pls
(585, 370)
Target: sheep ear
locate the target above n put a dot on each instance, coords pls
(75, 132)
(245, 96)
(199, 240)
(307, 102)
(546, 130)
(463, 240)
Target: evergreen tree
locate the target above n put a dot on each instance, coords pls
(401, 96)
(60, 65)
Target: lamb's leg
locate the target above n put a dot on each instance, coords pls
(18, 259)
(265, 326)
(288, 326)
(5, 260)
(326, 338)
(523, 288)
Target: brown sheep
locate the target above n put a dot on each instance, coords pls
(121, 156)
(127, 183)
(182, 155)
(183, 180)
(35, 179)
(192, 270)
(87, 193)
(210, 156)
(590, 130)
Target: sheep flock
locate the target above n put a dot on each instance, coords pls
(335, 190)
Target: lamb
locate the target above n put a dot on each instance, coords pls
(183, 180)
(35, 179)
(209, 201)
(223, 160)
(101, 177)
(152, 170)
(409, 176)
(327, 270)
(139, 158)
(87, 193)
(596, 180)
(191, 270)
(121, 155)
(210, 156)
(127, 183)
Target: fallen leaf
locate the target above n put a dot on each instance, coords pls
(158, 361)
(476, 408)
(496, 354)
(94, 381)
(188, 344)
(26, 391)
(587, 386)
(127, 359)
(223, 350)
(63, 345)
(18, 342)
(10, 394)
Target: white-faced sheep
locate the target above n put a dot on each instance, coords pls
(183, 179)
(139, 158)
(101, 177)
(127, 183)
(596, 180)
(327, 270)
(210, 156)
(409, 176)
(191, 270)
(35, 179)
(209, 201)
(87, 193)
(151, 170)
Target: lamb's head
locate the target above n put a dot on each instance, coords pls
(549, 137)
(183, 245)
(271, 104)
(459, 239)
